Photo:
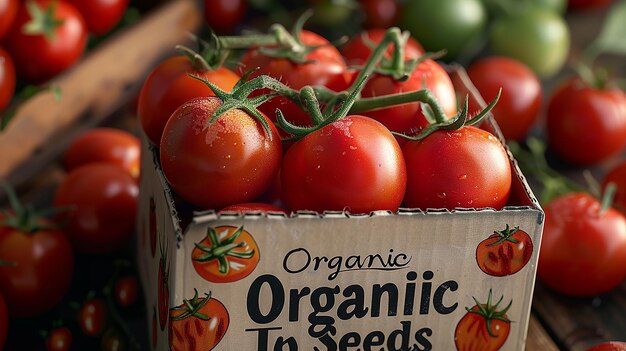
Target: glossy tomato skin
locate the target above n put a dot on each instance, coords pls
(504, 252)
(409, 118)
(37, 58)
(357, 50)
(583, 251)
(233, 160)
(617, 175)
(537, 37)
(103, 198)
(380, 13)
(585, 125)
(451, 25)
(92, 317)
(520, 101)
(184, 334)
(111, 145)
(59, 339)
(7, 79)
(101, 15)
(326, 68)
(223, 16)
(8, 11)
(476, 172)
(169, 85)
(33, 285)
(126, 290)
(609, 346)
(353, 164)
(472, 334)
(4, 322)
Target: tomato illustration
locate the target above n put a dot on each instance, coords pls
(163, 292)
(198, 324)
(226, 254)
(483, 327)
(504, 252)
(152, 227)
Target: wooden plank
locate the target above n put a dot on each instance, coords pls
(104, 82)
(538, 338)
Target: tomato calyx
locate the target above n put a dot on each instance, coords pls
(43, 21)
(209, 55)
(220, 249)
(191, 308)
(490, 312)
(26, 218)
(504, 235)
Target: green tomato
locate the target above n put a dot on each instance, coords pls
(453, 25)
(557, 6)
(537, 37)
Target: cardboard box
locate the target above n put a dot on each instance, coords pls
(335, 281)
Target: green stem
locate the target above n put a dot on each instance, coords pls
(424, 95)
(607, 197)
(247, 41)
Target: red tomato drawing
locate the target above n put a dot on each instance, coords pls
(505, 252)
(483, 328)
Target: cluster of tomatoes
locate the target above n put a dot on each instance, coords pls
(39, 39)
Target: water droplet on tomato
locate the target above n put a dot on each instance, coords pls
(463, 177)
(227, 157)
(441, 195)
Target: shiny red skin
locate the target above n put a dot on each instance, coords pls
(617, 175)
(8, 11)
(126, 290)
(101, 15)
(327, 68)
(104, 201)
(37, 59)
(223, 16)
(7, 79)
(33, 285)
(59, 339)
(583, 251)
(253, 207)
(609, 346)
(520, 101)
(357, 50)
(231, 161)
(92, 317)
(111, 145)
(585, 5)
(466, 168)
(353, 164)
(409, 118)
(169, 85)
(585, 125)
(380, 13)
(4, 322)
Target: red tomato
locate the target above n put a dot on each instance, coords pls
(325, 67)
(169, 85)
(33, 285)
(7, 79)
(4, 322)
(199, 321)
(101, 15)
(586, 125)
(59, 339)
(609, 346)
(408, 118)
(583, 5)
(8, 10)
(354, 164)
(380, 13)
(483, 328)
(40, 56)
(253, 207)
(105, 145)
(583, 251)
(92, 317)
(223, 16)
(520, 100)
(226, 254)
(476, 172)
(358, 49)
(233, 160)
(617, 175)
(163, 288)
(126, 290)
(505, 252)
(113, 340)
(103, 201)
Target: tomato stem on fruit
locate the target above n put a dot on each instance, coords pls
(490, 312)
(192, 307)
(42, 21)
(608, 196)
(219, 249)
(505, 235)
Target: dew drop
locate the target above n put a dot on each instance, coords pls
(441, 195)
